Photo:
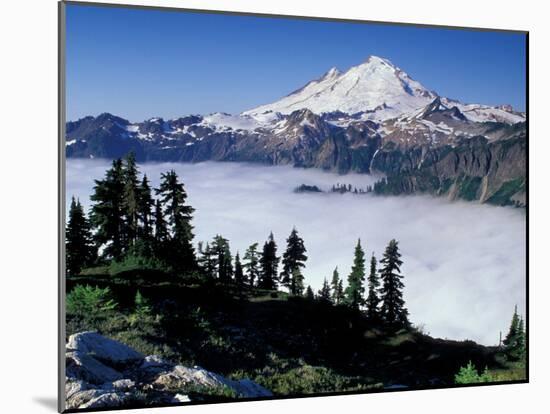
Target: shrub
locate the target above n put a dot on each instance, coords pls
(142, 305)
(142, 312)
(469, 375)
(90, 302)
(295, 377)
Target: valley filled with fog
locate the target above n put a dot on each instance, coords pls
(464, 263)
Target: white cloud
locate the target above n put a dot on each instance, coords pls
(464, 263)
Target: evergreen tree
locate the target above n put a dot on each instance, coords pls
(324, 294)
(337, 287)
(252, 262)
(79, 247)
(239, 275)
(206, 260)
(514, 342)
(354, 294)
(173, 199)
(297, 286)
(510, 338)
(340, 297)
(107, 213)
(130, 201)
(269, 264)
(222, 258)
(145, 209)
(392, 311)
(161, 231)
(309, 293)
(293, 258)
(372, 299)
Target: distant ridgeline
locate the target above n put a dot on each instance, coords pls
(373, 118)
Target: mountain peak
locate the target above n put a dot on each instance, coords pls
(331, 73)
(375, 86)
(377, 63)
(377, 60)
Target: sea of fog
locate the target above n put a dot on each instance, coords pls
(464, 263)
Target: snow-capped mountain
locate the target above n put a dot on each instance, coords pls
(375, 87)
(375, 90)
(372, 118)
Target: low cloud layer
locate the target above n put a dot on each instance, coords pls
(464, 263)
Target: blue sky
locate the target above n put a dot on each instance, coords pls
(139, 63)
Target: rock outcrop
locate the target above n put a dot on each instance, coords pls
(476, 170)
(104, 373)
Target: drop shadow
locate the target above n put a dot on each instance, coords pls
(48, 402)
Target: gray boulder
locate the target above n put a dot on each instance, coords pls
(103, 348)
(180, 377)
(78, 393)
(123, 385)
(86, 368)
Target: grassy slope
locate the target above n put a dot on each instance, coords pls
(288, 344)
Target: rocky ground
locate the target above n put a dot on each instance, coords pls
(101, 372)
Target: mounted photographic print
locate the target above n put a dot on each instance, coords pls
(259, 207)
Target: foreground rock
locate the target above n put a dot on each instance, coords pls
(102, 348)
(102, 373)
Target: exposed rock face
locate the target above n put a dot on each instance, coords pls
(436, 150)
(477, 169)
(103, 373)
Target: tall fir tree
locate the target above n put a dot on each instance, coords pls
(511, 336)
(340, 297)
(173, 198)
(373, 300)
(252, 264)
(294, 258)
(207, 261)
(80, 251)
(223, 259)
(130, 204)
(309, 293)
(354, 293)
(324, 293)
(107, 213)
(269, 264)
(337, 288)
(392, 311)
(161, 230)
(145, 207)
(514, 342)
